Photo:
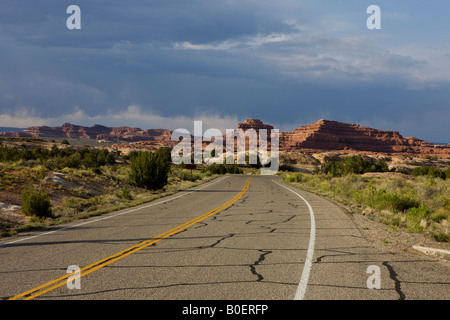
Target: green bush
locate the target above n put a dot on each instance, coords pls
(187, 176)
(395, 202)
(16, 154)
(430, 171)
(72, 158)
(149, 170)
(36, 203)
(294, 177)
(96, 158)
(224, 168)
(61, 158)
(442, 237)
(125, 194)
(353, 165)
(381, 199)
(419, 213)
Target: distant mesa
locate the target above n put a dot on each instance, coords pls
(96, 132)
(320, 136)
(254, 124)
(328, 135)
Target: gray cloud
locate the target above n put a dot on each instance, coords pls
(273, 60)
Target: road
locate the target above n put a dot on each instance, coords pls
(237, 237)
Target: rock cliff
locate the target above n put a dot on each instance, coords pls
(321, 136)
(254, 124)
(327, 135)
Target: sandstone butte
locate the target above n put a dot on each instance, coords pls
(321, 136)
(96, 132)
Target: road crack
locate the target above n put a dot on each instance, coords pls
(228, 236)
(284, 221)
(393, 275)
(261, 258)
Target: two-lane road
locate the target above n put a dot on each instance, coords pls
(237, 237)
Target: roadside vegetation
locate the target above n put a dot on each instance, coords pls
(417, 202)
(48, 183)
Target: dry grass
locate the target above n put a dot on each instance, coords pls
(414, 204)
(79, 193)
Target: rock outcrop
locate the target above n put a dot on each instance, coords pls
(321, 136)
(254, 124)
(96, 132)
(327, 135)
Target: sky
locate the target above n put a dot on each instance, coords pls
(166, 63)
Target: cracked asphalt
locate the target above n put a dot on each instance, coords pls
(253, 249)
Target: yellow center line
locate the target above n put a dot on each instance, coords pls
(49, 286)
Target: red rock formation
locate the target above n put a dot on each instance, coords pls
(327, 135)
(323, 135)
(254, 124)
(96, 132)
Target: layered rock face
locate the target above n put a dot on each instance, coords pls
(67, 130)
(124, 135)
(254, 124)
(333, 135)
(96, 132)
(328, 135)
(321, 136)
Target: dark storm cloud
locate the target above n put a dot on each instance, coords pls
(266, 59)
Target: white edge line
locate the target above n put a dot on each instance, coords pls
(114, 215)
(301, 289)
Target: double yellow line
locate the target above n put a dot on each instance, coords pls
(49, 286)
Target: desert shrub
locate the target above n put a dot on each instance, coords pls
(62, 158)
(256, 165)
(381, 199)
(429, 171)
(294, 177)
(149, 170)
(234, 169)
(97, 158)
(224, 168)
(217, 169)
(419, 213)
(165, 154)
(54, 151)
(72, 158)
(286, 167)
(9, 154)
(39, 153)
(354, 164)
(187, 176)
(395, 202)
(418, 204)
(125, 194)
(36, 203)
(15, 154)
(442, 237)
(74, 204)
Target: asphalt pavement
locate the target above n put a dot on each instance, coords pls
(235, 238)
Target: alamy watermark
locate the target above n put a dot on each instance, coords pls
(74, 20)
(374, 21)
(374, 280)
(238, 145)
(74, 280)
